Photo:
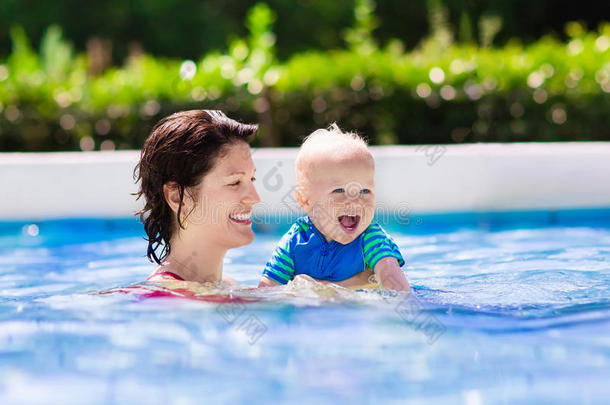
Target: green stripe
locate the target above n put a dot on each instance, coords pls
(373, 252)
(303, 226)
(381, 256)
(371, 234)
(279, 274)
(286, 258)
(372, 243)
(282, 265)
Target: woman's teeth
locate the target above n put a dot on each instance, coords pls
(245, 217)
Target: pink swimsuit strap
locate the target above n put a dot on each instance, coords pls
(166, 274)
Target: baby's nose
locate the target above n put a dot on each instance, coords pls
(352, 207)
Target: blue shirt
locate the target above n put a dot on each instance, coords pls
(304, 250)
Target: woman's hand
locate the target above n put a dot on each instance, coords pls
(356, 280)
(228, 280)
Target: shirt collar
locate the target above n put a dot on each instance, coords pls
(317, 232)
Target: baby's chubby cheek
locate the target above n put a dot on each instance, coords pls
(323, 210)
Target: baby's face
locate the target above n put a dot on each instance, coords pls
(341, 196)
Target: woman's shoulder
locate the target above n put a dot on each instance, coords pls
(164, 273)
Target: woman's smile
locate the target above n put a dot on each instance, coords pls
(241, 218)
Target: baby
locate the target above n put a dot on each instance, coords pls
(337, 239)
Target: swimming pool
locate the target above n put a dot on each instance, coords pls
(508, 308)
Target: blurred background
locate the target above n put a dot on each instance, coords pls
(76, 76)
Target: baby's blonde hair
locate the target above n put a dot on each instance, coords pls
(331, 139)
(333, 133)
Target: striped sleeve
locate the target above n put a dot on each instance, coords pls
(281, 268)
(377, 245)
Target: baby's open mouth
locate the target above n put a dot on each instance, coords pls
(349, 223)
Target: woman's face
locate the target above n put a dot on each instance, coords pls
(224, 200)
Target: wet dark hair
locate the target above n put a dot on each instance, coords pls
(181, 148)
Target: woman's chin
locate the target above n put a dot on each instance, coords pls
(242, 238)
(248, 239)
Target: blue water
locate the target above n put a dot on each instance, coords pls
(507, 308)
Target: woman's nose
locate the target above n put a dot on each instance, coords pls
(252, 196)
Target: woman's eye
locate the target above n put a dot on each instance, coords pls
(236, 183)
(253, 179)
(365, 191)
(338, 190)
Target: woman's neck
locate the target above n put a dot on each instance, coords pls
(201, 264)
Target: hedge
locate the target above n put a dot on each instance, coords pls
(441, 92)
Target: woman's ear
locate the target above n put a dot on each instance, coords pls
(171, 191)
(302, 199)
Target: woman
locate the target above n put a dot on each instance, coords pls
(197, 177)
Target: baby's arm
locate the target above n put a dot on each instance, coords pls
(276, 273)
(383, 256)
(280, 268)
(267, 282)
(390, 275)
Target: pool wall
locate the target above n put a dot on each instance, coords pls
(418, 179)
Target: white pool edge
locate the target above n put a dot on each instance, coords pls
(422, 179)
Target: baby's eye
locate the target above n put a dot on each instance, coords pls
(339, 190)
(365, 191)
(253, 179)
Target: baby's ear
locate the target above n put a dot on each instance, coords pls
(302, 199)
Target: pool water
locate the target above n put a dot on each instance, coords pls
(507, 308)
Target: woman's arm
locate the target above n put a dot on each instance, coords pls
(229, 280)
(356, 280)
(359, 279)
(388, 272)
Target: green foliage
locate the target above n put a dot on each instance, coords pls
(190, 28)
(55, 55)
(440, 92)
(360, 37)
(489, 26)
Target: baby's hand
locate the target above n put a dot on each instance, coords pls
(390, 275)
